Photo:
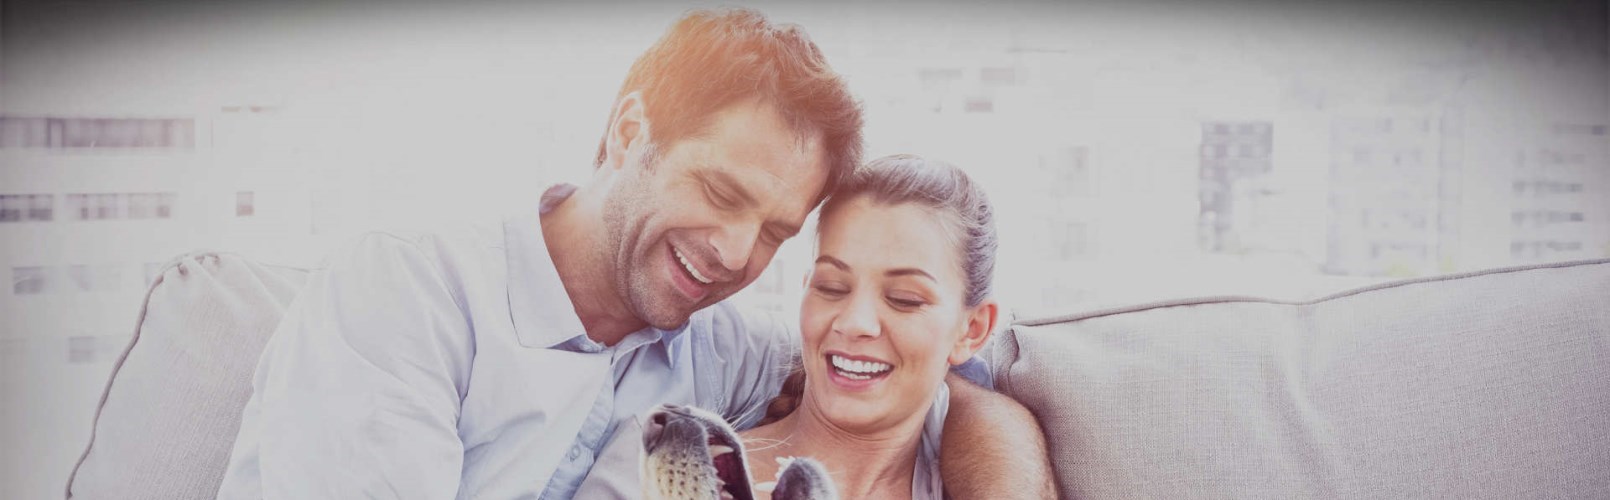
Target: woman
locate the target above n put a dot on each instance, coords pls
(899, 293)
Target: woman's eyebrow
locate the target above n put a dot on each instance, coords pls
(909, 271)
(892, 273)
(824, 259)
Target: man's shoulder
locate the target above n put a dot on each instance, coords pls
(733, 326)
(461, 258)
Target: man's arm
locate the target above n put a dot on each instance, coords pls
(992, 447)
(357, 394)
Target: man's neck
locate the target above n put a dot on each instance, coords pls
(572, 233)
(863, 466)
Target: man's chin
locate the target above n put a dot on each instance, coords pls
(666, 318)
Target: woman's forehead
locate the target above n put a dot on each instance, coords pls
(870, 236)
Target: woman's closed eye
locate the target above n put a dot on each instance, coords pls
(905, 301)
(830, 290)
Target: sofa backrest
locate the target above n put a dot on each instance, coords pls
(168, 418)
(1486, 385)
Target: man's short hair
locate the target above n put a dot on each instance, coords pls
(714, 58)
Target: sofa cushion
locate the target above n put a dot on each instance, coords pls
(170, 412)
(1486, 385)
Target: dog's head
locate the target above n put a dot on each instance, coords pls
(692, 454)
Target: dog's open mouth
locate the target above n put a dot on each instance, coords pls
(729, 466)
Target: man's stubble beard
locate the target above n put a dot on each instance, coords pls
(623, 221)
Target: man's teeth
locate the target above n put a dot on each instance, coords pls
(856, 369)
(689, 267)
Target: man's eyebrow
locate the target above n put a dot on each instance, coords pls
(784, 229)
(728, 184)
(833, 262)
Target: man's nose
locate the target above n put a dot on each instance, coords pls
(734, 245)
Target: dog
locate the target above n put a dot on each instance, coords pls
(692, 454)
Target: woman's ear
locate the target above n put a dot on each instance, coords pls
(627, 127)
(980, 325)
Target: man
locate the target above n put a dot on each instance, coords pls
(495, 362)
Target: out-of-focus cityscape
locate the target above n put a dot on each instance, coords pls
(1134, 151)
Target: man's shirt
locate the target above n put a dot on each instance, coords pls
(453, 365)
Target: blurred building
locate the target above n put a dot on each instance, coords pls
(1385, 193)
(1235, 160)
(1560, 197)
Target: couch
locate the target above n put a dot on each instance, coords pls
(1493, 384)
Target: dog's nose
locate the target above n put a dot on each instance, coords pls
(654, 426)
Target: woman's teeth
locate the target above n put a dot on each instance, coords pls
(689, 267)
(858, 370)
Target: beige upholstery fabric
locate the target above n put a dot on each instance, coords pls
(1491, 385)
(170, 413)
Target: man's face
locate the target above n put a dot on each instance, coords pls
(703, 220)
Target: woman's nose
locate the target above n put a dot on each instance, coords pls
(859, 318)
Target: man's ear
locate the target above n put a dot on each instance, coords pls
(980, 325)
(627, 128)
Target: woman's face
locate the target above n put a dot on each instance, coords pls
(884, 314)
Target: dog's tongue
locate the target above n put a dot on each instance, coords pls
(730, 468)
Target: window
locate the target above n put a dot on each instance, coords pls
(979, 105)
(58, 133)
(82, 277)
(11, 207)
(96, 278)
(1361, 155)
(106, 205)
(41, 207)
(165, 205)
(80, 349)
(938, 77)
(998, 76)
(1068, 172)
(142, 205)
(30, 280)
(244, 206)
(23, 132)
(1069, 240)
(78, 206)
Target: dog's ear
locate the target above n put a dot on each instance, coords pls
(804, 479)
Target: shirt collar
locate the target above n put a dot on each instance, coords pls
(541, 309)
(542, 312)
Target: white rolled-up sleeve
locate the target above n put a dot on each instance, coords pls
(358, 393)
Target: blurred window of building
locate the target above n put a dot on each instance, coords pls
(78, 206)
(23, 132)
(998, 76)
(41, 207)
(11, 207)
(30, 280)
(107, 206)
(165, 202)
(244, 204)
(142, 205)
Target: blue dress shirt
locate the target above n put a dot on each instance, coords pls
(452, 364)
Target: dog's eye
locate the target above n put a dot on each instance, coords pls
(658, 419)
